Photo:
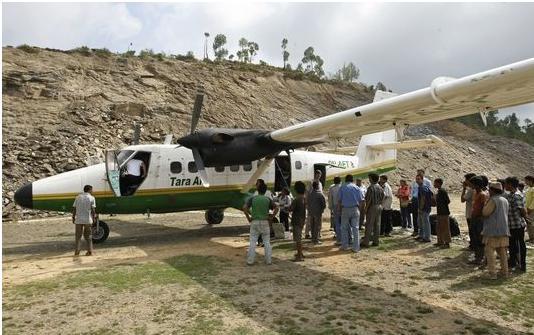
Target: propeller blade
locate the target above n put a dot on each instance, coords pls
(197, 109)
(200, 167)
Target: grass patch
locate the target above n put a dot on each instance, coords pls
(183, 270)
(203, 326)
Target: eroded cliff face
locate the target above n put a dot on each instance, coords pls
(61, 108)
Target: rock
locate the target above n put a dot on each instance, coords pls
(471, 150)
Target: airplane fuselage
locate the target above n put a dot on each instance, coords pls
(172, 183)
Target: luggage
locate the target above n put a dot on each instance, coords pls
(278, 230)
(396, 220)
(453, 224)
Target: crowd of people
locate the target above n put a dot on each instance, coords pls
(497, 214)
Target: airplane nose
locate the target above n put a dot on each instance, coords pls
(24, 196)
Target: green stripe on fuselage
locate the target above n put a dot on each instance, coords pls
(168, 203)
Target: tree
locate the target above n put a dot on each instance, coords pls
(242, 54)
(318, 67)
(300, 68)
(218, 42)
(206, 35)
(350, 72)
(253, 48)
(190, 54)
(380, 86)
(309, 59)
(285, 53)
(314, 63)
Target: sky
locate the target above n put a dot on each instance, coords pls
(403, 45)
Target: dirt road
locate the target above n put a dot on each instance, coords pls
(173, 274)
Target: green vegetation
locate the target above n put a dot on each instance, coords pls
(285, 53)
(83, 50)
(218, 47)
(348, 73)
(28, 49)
(103, 52)
(507, 127)
(182, 270)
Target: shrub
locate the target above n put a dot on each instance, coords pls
(129, 53)
(28, 49)
(146, 53)
(104, 52)
(83, 50)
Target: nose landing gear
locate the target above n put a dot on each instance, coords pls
(214, 216)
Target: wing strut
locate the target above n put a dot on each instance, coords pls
(263, 166)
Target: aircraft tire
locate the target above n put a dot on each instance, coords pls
(214, 216)
(102, 234)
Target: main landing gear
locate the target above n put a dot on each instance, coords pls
(214, 216)
(100, 232)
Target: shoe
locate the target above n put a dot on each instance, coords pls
(76, 253)
(414, 234)
(250, 264)
(425, 241)
(354, 251)
(318, 242)
(89, 253)
(270, 263)
(418, 238)
(437, 244)
(337, 243)
(298, 259)
(307, 236)
(445, 246)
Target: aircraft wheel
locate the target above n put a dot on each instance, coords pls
(214, 216)
(101, 234)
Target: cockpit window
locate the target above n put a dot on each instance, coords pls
(123, 156)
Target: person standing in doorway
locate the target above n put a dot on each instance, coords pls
(316, 178)
(316, 206)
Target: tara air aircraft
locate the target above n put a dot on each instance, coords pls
(213, 169)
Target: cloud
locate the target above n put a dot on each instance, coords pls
(68, 25)
(403, 45)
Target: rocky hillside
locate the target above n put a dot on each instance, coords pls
(60, 108)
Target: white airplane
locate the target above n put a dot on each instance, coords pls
(213, 169)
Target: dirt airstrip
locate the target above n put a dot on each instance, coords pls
(173, 274)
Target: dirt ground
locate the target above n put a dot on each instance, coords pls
(173, 274)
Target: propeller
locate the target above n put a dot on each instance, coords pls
(197, 111)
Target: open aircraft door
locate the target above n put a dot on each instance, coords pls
(113, 172)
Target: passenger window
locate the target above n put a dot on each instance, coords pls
(247, 167)
(176, 167)
(234, 168)
(219, 169)
(192, 167)
(298, 165)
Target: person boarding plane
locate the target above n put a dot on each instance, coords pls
(213, 169)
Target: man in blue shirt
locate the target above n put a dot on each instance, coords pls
(350, 199)
(424, 201)
(415, 194)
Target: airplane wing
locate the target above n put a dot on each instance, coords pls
(445, 98)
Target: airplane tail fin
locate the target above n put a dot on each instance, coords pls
(369, 152)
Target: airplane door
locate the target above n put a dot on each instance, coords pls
(113, 172)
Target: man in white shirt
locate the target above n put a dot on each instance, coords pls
(386, 224)
(83, 216)
(135, 174)
(363, 188)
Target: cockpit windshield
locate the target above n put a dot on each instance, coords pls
(123, 156)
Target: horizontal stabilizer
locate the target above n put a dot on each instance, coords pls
(430, 141)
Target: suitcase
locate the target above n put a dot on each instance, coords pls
(453, 225)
